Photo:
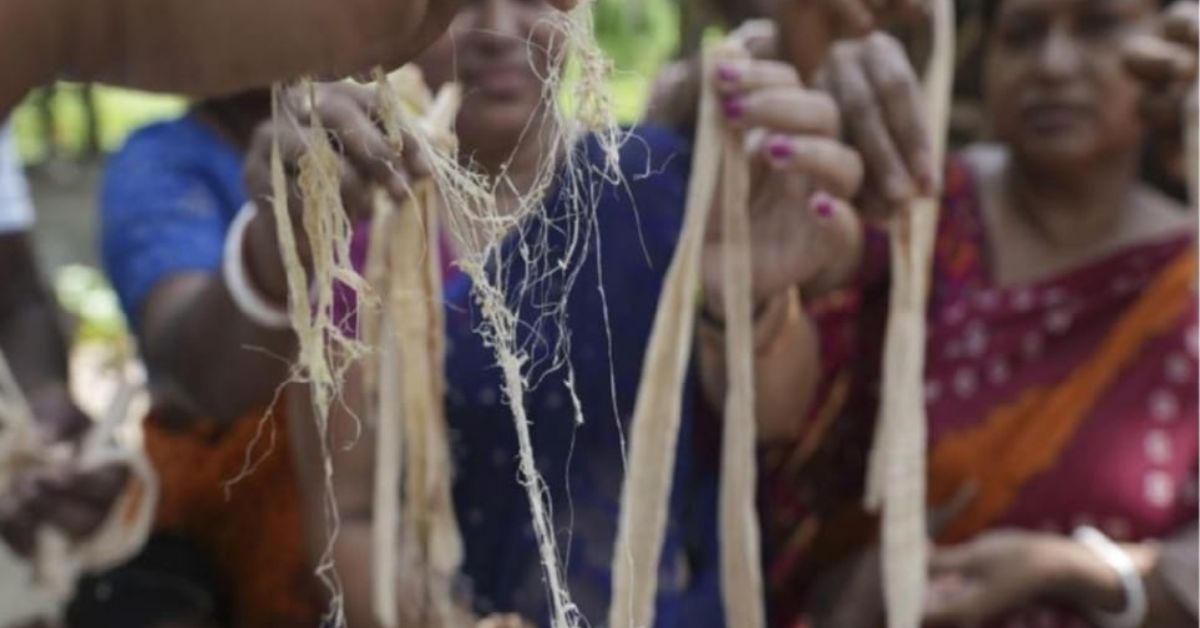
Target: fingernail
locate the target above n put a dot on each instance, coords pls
(779, 147)
(823, 205)
(727, 73)
(734, 107)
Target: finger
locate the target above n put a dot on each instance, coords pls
(831, 165)
(785, 110)
(899, 93)
(951, 600)
(855, 15)
(362, 140)
(737, 76)
(357, 199)
(955, 560)
(1180, 23)
(868, 132)
(1156, 61)
(760, 37)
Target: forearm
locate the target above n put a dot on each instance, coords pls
(1087, 581)
(32, 43)
(30, 335)
(786, 366)
(205, 354)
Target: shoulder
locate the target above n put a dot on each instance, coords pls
(155, 152)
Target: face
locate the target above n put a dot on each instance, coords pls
(1055, 89)
(498, 50)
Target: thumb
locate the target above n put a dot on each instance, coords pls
(838, 238)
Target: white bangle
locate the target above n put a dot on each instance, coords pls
(1134, 614)
(249, 301)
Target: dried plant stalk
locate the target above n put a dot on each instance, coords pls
(741, 563)
(896, 475)
(644, 502)
(413, 442)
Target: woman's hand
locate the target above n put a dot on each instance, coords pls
(1165, 63)
(367, 162)
(1005, 570)
(63, 495)
(881, 103)
(803, 232)
(76, 501)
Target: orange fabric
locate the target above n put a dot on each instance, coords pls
(1025, 438)
(254, 530)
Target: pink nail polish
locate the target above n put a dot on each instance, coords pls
(779, 148)
(734, 107)
(727, 73)
(824, 206)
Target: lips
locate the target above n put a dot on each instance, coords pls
(1054, 116)
(499, 79)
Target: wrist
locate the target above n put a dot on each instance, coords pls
(262, 260)
(1084, 579)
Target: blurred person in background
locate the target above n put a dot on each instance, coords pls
(1061, 369)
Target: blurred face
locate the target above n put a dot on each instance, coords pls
(1056, 90)
(499, 50)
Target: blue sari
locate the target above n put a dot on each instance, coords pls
(587, 320)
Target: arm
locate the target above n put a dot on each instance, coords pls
(204, 352)
(1008, 569)
(33, 342)
(211, 47)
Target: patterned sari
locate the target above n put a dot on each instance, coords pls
(1068, 402)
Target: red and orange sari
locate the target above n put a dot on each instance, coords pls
(1069, 402)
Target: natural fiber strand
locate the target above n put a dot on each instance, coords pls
(719, 156)
(896, 475)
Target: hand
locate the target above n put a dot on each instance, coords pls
(64, 496)
(802, 232)
(1165, 63)
(880, 100)
(367, 160)
(1006, 570)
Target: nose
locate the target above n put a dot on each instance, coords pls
(1060, 56)
(498, 24)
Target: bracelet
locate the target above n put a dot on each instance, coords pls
(1135, 610)
(249, 301)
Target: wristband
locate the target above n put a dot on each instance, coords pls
(1135, 610)
(249, 301)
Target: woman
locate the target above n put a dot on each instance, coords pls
(607, 295)
(634, 234)
(1061, 362)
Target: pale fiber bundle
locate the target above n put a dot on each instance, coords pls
(58, 562)
(479, 226)
(719, 156)
(896, 475)
(405, 272)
